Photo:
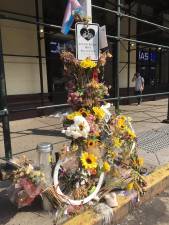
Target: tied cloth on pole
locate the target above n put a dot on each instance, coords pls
(73, 6)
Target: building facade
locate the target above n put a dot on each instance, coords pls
(34, 73)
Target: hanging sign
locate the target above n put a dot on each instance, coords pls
(87, 41)
(103, 38)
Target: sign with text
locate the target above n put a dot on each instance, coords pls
(147, 56)
(87, 41)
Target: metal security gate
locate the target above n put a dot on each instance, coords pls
(116, 38)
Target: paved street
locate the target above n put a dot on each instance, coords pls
(155, 212)
(152, 138)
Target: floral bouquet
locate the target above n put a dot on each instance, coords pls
(27, 184)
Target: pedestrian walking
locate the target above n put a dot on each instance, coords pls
(139, 86)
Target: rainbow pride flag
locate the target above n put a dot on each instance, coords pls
(73, 6)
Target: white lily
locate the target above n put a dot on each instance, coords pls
(80, 128)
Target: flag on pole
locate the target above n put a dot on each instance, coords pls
(73, 6)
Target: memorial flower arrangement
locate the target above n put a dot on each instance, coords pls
(27, 182)
(102, 154)
(101, 141)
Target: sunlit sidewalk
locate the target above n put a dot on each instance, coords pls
(147, 122)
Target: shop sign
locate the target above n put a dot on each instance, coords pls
(143, 56)
(87, 41)
(146, 56)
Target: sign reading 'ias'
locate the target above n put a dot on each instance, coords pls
(87, 41)
(147, 56)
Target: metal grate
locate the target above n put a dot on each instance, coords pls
(154, 140)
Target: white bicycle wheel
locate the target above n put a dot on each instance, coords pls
(65, 198)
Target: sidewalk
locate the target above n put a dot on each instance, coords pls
(152, 134)
(153, 139)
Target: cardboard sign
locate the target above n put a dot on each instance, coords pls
(87, 41)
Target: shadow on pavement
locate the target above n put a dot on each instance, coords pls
(55, 133)
(8, 210)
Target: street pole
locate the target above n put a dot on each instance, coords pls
(117, 56)
(39, 51)
(3, 107)
(87, 8)
(129, 51)
(167, 120)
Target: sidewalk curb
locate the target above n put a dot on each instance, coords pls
(157, 181)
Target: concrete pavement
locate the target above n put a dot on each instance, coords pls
(155, 212)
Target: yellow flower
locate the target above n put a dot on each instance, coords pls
(89, 161)
(131, 134)
(130, 186)
(123, 117)
(141, 161)
(84, 112)
(117, 142)
(99, 112)
(121, 122)
(71, 116)
(91, 143)
(106, 167)
(88, 64)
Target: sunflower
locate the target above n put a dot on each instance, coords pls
(89, 161)
(99, 112)
(84, 112)
(91, 143)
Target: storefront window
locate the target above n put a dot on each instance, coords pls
(148, 61)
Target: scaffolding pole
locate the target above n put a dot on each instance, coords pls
(3, 107)
(117, 59)
(129, 53)
(39, 52)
